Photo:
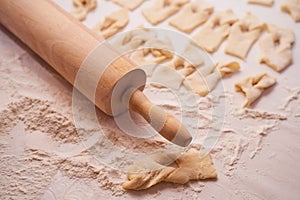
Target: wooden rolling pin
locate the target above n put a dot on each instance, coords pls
(67, 45)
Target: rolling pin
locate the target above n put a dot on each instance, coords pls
(71, 49)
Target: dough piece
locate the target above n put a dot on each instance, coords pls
(129, 4)
(190, 56)
(165, 76)
(189, 166)
(243, 35)
(183, 67)
(83, 7)
(203, 82)
(262, 2)
(113, 23)
(215, 30)
(162, 9)
(159, 47)
(253, 87)
(276, 47)
(293, 8)
(139, 57)
(148, 46)
(220, 71)
(134, 39)
(197, 84)
(228, 68)
(187, 70)
(192, 15)
(188, 61)
(148, 68)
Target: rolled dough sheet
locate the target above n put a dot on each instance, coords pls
(129, 4)
(276, 47)
(243, 35)
(196, 83)
(113, 23)
(192, 15)
(215, 30)
(162, 9)
(166, 76)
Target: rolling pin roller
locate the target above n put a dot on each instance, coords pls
(72, 49)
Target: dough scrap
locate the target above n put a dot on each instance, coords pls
(227, 68)
(276, 47)
(192, 15)
(197, 84)
(83, 7)
(159, 46)
(191, 55)
(243, 35)
(253, 87)
(293, 8)
(215, 30)
(262, 2)
(204, 82)
(145, 46)
(166, 76)
(162, 9)
(139, 57)
(183, 67)
(189, 166)
(134, 39)
(113, 23)
(129, 4)
(148, 68)
(188, 61)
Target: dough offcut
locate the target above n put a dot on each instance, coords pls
(169, 168)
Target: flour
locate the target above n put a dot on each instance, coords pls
(294, 95)
(38, 134)
(37, 115)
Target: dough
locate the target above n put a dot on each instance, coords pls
(189, 166)
(183, 67)
(187, 70)
(220, 71)
(145, 46)
(139, 57)
(293, 8)
(148, 68)
(129, 4)
(253, 87)
(188, 61)
(134, 39)
(243, 35)
(113, 23)
(83, 7)
(276, 47)
(215, 30)
(166, 76)
(262, 2)
(228, 68)
(192, 55)
(202, 82)
(162, 9)
(159, 47)
(211, 75)
(192, 15)
(197, 84)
